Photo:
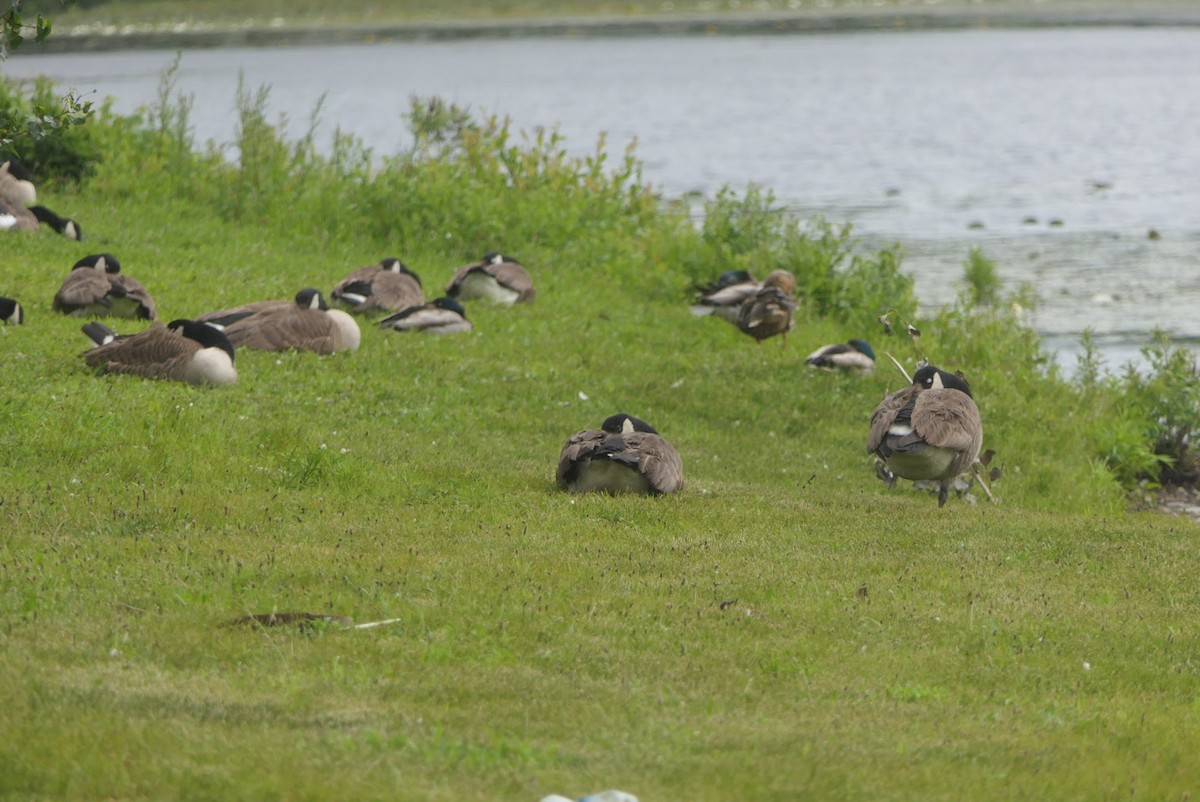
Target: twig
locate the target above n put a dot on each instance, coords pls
(899, 367)
(979, 477)
(370, 624)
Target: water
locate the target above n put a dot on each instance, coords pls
(1056, 151)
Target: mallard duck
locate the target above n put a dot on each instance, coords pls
(625, 455)
(497, 277)
(769, 311)
(724, 297)
(183, 350)
(11, 311)
(440, 316)
(304, 323)
(929, 430)
(97, 287)
(388, 285)
(854, 356)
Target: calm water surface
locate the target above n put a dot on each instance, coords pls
(1056, 151)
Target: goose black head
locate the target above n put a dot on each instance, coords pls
(11, 311)
(311, 299)
(208, 336)
(931, 378)
(394, 265)
(624, 424)
(99, 261)
(496, 257)
(450, 305)
(862, 347)
(63, 225)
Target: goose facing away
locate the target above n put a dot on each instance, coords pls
(97, 287)
(183, 350)
(389, 286)
(769, 312)
(724, 297)
(304, 323)
(929, 430)
(11, 311)
(497, 277)
(440, 316)
(853, 356)
(16, 183)
(625, 455)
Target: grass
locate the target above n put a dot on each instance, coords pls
(786, 628)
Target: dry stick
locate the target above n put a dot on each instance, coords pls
(975, 466)
(899, 367)
(370, 624)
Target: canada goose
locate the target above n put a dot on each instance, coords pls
(183, 350)
(16, 183)
(769, 311)
(854, 356)
(305, 323)
(441, 316)
(625, 455)
(928, 430)
(389, 285)
(11, 311)
(723, 298)
(96, 286)
(497, 278)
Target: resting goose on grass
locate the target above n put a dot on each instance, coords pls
(96, 287)
(853, 356)
(16, 183)
(625, 455)
(11, 312)
(769, 311)
(929, 430)
(388, 286)
(497, 278)
(183, 350)
(440, 316)
(305, 323)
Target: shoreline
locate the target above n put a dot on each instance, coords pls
(94, 38)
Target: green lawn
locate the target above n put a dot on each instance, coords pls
(786, 628)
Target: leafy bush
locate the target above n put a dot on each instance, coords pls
(45, 130)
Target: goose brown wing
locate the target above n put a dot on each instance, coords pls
(227, 317)
(394, 291)
(515, 277)
(578, 446)
(885, 415)
(25, 219)
(948, 419)
(82, 287)
(157, 352)
(459, 276)
(283, 328)
(768, 313)
(657, 459)
(135, 291)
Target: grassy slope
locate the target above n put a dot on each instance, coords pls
(787, 628)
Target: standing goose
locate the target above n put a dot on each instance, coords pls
(929, 430)
(625, 455)
(441, 316)
(389, 285)
(723, 298)
(183, 350)
(769, 311)
(497, 278)
(854, 356)
(97, 287)
(305, 323)
(11, 311)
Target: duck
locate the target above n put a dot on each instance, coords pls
(183, 350)
(852, 356)
(724, 297)
(497, 277)
(388, 285)
(930, 430)
(304, 323)
(11, 312)
(625, 455)
(769, 311)
(441, 316)
(97, 287)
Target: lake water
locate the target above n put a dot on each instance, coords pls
(1057, 151)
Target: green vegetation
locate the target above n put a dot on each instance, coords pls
(785, 628)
